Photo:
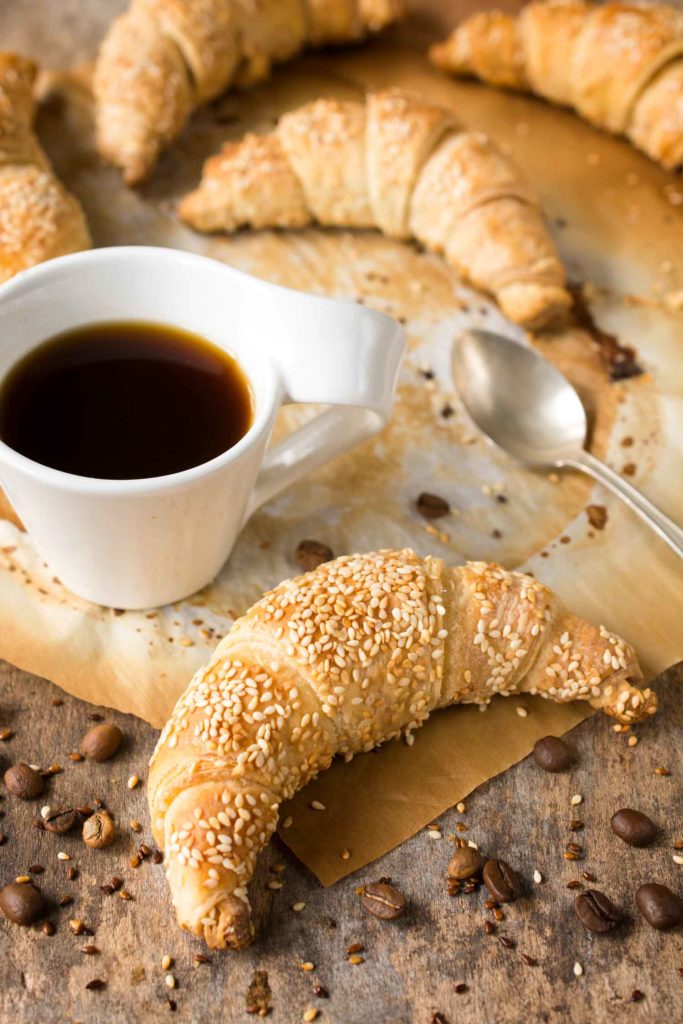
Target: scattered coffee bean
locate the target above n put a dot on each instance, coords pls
(384, 901)
(320, 992)
(99, 830)
(530, 961)
(48, 928)
(596, 912)
(489, 927)
(552, 754)
(24, 781)
(465, 863)
(431, 506)
(502, 881)
(660, 907)
(96, 985)
(636, 996)
(460, 988)
(22, 903)
(102, 742)
(311, 553)
(72, 873)
(6, 734)
(634, 827)
(507, 942)
(60, 821)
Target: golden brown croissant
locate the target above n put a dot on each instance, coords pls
(398, 163)
(163, 58)
(338, 661)
(619, 64)
(39, 219)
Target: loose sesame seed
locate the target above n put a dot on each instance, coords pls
(298, 907)
(576, 800)
(578, 969)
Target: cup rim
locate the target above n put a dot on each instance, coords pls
(142, 485)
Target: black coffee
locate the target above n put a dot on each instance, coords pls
(123, 401)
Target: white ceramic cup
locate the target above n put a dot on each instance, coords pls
(142, 543)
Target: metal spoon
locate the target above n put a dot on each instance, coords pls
(529, 409)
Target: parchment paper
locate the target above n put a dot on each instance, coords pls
(618, 223)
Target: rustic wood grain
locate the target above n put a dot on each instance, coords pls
(411, 966)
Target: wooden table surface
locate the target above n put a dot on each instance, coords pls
(412, 966)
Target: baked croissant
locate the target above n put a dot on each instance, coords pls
(164, 58)
(39, 219)
(338, 661)
(401, 164)
(619, 64)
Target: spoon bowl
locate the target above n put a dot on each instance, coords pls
(528, 408)
(518, 399)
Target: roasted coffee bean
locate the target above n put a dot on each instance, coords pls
(311, 553)
(465, 863)
(596, 912)
(101, 742)
(384, 901)
(502, 881)
(431, 506)
(660, 907)
(61, 822)
(99, 830)
(22, 903)
(552, 754)
(24, 781)
(634, 827)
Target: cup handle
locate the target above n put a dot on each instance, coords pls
(346, 357)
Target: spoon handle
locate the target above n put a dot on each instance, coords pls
(661, 524)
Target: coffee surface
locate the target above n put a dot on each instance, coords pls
(125, 400)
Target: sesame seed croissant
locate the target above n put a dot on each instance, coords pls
(399, 163)
(162, 59)
(39, 219)
(342, 659)
(618, 64)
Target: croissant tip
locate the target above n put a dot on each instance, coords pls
(232, 928)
